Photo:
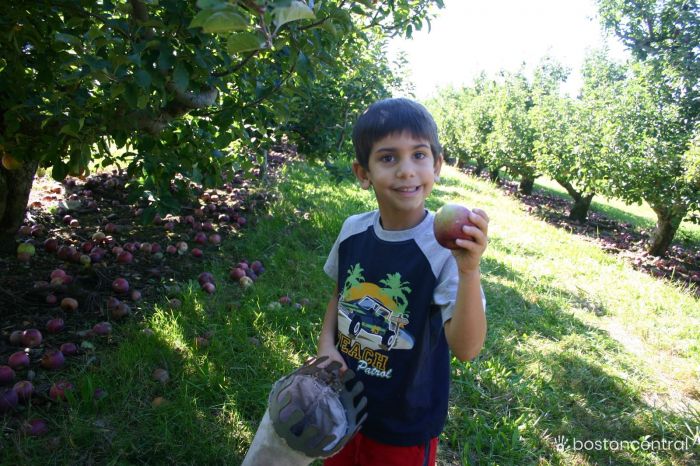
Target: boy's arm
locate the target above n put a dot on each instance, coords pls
(326, 341)
(466, 330)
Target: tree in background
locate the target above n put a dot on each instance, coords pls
(567, 141)
(512, 138)
(449, 109)
(657, 115)
(176, 87)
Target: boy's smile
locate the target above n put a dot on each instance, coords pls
(402, 171)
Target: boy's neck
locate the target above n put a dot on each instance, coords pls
(402, 222)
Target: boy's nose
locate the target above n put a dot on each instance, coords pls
(405, 169)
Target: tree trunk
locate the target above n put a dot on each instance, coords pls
(15, 186)
(582, 202)
(493, 175)
(480, 165)
(527, 182)
(668, 219)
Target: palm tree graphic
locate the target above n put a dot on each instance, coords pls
(355, 277)
(397, 290)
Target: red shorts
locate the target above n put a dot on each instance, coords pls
(363, 451)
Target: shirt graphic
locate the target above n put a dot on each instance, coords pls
(373, 317)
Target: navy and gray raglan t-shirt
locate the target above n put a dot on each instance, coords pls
(397, 288)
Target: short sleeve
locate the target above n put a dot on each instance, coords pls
(331, 265)
(445, 293)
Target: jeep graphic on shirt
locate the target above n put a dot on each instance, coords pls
(374, 316)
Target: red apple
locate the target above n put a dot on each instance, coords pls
(53, 360)
(7, 375)
(58, 273)
(120, 285)
(18, 360)
(237, 273)
(51, 245)
(125, 257)
(205, 277)
(69, 349)
(449, 220)
(209, 287)
(285, 300)
(35, 427)
(55, 325)
(102, 328)
(8, 400)
(24, 390)
(16, 337)
(31, 338)
(59, 389)
(257, 267)
(120, 311)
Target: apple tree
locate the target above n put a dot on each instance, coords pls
(165, 87)
(567, 142)
(512, 138)
(644, 141)
(450, 110)
(653, 124)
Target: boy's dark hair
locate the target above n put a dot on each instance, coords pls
(390, 116)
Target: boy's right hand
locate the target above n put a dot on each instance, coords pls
(333, 355)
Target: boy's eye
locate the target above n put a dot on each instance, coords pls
(420, 155)
(386, 158)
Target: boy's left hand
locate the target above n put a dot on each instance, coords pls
(470, 250)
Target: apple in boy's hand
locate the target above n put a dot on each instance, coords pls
(449, 220)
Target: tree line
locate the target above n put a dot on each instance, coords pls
(633, 132)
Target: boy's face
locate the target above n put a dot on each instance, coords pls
(402, 171)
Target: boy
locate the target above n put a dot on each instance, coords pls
(402, 301)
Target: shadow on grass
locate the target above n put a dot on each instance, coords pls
(620, 215)
(546, 379)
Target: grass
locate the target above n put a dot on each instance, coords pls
(580, 347)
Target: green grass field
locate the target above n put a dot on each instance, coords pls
(586, 362)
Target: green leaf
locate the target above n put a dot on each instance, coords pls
(59, 171)
(295, 11)
(143, 79)
(67, 39)
(225, 21)
(244, 42)
(69, 129)
(181, 77)
(204, 4)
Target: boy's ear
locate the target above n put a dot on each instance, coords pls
(362, 175)
(437, 167)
